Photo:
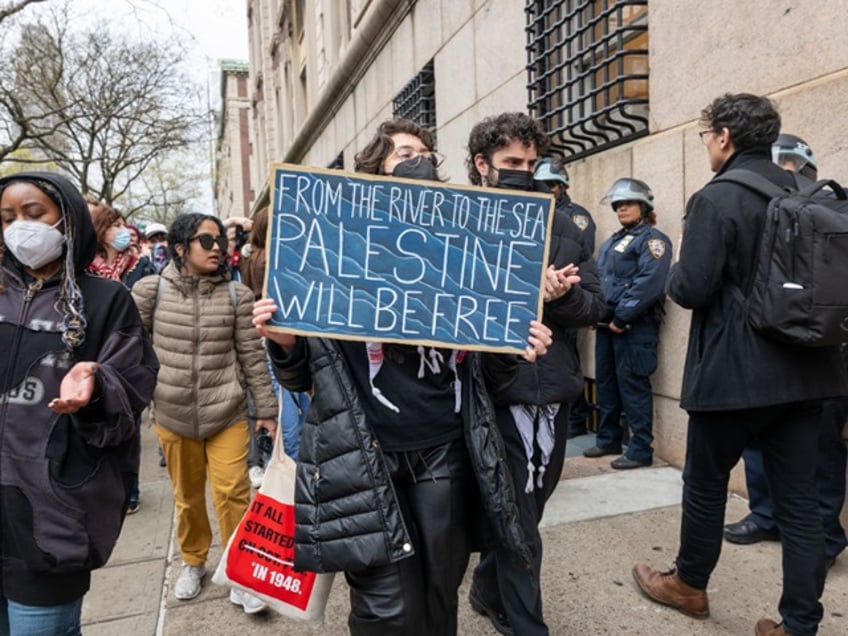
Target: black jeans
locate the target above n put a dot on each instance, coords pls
(500, 583)
(789, 440)
(418, 595)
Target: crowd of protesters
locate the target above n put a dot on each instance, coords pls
(446, 452)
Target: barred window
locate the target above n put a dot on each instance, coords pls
(588, 72)
(417, 100)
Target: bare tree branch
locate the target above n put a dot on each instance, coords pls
(9, 10)
(101, 107)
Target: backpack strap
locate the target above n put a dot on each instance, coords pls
(752, 181)
(758, 183)
(160, 290)
(233, 298)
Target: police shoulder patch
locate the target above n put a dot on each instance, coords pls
(656, 247)
(581, 221)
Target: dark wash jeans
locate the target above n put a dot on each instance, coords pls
(788, 435)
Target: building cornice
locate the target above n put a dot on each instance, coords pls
(376, 28)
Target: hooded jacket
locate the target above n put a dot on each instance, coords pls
(346, 510)
(730, 366)
(208, 349)
(65, 479)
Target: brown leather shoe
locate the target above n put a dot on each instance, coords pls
(768, 627)
(668, 589)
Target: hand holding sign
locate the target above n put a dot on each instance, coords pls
(262, 312)
(540, 339)
(363, 257)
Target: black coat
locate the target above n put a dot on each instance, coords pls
(347, 513)
(558, 376)
(730, 366)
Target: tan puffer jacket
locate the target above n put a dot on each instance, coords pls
(207, 360)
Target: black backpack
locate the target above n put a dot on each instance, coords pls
(800, 289)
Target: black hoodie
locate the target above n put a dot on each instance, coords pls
(65, 479)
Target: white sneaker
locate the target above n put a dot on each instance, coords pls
(257, 474)
(189, 582)
(247, 601)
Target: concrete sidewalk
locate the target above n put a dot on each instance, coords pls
(596, 526)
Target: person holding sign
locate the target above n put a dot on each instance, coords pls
(532, 415)
(399, 450)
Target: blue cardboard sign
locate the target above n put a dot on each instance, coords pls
(363, 257)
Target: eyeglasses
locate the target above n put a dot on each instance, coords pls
(703, 134)
(207, 241)
(408, 153)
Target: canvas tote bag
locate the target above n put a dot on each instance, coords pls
(259, 556)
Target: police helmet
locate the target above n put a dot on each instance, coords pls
(792, 148)
(627, 189)
(551, 169)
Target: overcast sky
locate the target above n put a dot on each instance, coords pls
(212, 29)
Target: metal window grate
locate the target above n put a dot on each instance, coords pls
(417, 100)
(587, 66)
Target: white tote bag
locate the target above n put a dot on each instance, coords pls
(259, 557)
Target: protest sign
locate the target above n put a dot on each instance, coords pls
(420, 262)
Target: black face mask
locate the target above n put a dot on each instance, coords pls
(418, 168)
(515, 180)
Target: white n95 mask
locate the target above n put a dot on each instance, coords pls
(33, 243)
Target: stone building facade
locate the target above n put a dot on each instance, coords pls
(234, 188)
(619, 83)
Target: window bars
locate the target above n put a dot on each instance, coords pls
(587, 67)
(417, 100)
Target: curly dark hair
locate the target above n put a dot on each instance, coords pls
(494, 133)
(753, 121)
(370, 159)
(183, 229)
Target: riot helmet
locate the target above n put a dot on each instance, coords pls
(551, 169)
(627, 189)
(793, 148)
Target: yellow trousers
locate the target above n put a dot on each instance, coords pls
(224, 458)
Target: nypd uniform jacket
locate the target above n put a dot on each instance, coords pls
(634, 264)
(582, 219)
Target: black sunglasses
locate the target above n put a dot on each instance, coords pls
(207, 241)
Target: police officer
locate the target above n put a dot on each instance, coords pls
(794, 154)
(634, 264)
(551, 171)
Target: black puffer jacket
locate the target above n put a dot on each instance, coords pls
(347, 512)
(558, 376)
(730, 366)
